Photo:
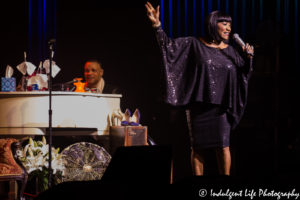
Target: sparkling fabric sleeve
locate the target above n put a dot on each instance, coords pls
(244, 72)
(179, 69)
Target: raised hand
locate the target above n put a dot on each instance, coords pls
(153, 14)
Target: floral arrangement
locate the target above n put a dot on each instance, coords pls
(35, 158)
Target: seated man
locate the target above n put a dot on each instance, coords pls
(93, 73)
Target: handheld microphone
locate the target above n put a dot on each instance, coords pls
(238, 40)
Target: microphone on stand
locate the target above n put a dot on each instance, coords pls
(70, 82)
(65, 85)
(238, 40)
(51, 41)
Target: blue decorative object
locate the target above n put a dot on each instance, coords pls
(8, 84)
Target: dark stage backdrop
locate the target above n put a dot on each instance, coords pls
(120, 36)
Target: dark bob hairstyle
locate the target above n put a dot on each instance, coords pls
(211, 28)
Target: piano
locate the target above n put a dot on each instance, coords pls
(76, 113)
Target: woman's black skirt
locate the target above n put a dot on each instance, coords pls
(209, 126)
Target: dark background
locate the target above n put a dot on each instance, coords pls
(266, 143)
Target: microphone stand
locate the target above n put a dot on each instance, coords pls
(51, 53)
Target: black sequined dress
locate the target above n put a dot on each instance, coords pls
(212, 82)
